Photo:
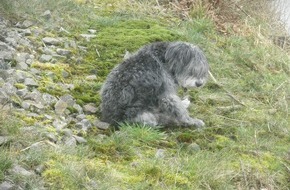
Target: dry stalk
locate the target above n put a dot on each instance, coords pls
(227, 91)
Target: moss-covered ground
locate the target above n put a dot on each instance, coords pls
(246, 144)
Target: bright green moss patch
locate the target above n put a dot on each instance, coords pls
(114, 39)
(87, 92)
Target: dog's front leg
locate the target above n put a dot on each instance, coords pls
(174, 107)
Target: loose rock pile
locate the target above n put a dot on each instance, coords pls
(19, 83)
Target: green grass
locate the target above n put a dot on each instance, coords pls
(246, 143)
(5, 163)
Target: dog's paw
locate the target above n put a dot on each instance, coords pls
(186, 102)
(197, 123)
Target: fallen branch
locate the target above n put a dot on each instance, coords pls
(228, 92)
(38, 143)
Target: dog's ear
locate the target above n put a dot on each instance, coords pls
(186, 59)
(174, 57)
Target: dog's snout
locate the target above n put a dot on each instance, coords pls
(198, 83)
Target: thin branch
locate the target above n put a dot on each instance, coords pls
(228, 92)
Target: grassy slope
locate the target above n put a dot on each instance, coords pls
(244, 146)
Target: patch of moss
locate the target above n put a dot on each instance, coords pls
(112, 150)
(113, 40)
(261, 161)
(19, 85)
(87, 92)
(153, 173)
(111, 43)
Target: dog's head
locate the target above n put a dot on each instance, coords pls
(187, 63)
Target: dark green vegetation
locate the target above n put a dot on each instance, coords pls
(247, 142)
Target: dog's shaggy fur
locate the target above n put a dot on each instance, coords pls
(143, 87)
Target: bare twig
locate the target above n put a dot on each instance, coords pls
(288, 168)
(244, 173)
(98, 53)
(281, 85)
(228, 92)
(38, 143)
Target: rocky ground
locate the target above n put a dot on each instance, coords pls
(19, 82)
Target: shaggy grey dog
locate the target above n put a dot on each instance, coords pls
(143, 88)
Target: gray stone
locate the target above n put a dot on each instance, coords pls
(35, 71)
(30, 82)
(68, 99)
(78, 108)
(80, 140)
(18, 170)
(7, 186)
(88, 36)
(21, 66)
(84, 124)
(3, 140)
(11, 41)
(63, 52)
(25, 105)
(26, 32)
(51, 74)
(51, 41)
(46, 14)
(4, 65)
(29, 61)
(90, 108)
(6, 55)
(64, 74)
(4, 46)
(92, 31)
(1, 82)
(9, 88)
(4, 74)
(26, 24)
(45, 58)
(20, 76)
(48, 51)
(49, 99)
(39, 169)
(51, 137)
(59, 124)
(21, 57)
(35, 95)
(81, 117)
(70, 141)
(160, 153)
(37, 105)
(24, 42)
(49, 117)
(67, 132)
(60, 107)
(22, 92)
(193, 147)
(101, 125)
(4, 98)
(91, 77)
(72, 44)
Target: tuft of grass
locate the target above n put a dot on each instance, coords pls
(5, 163)
(9, 124)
